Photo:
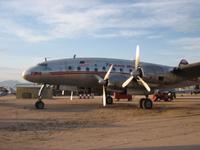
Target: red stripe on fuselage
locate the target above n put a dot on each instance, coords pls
(61, 73)
(76, 72)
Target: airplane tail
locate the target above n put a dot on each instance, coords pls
(182, 63)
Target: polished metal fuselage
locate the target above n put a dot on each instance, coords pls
(81, 72)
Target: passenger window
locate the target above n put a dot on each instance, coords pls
(82, 62)
(130, 70)
(121, 70)
(114, 69)
(96, 69)
(87, 69)
(78, 68)
(104, 68)
(70, 68)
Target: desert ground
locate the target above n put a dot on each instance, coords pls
(85, 124)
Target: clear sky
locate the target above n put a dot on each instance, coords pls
(30, 30)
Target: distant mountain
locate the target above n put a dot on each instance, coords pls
(10, 83)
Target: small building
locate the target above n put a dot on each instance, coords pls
(30, 91)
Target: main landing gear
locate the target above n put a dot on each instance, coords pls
(39, 103)
(109, 100)
(146, 103)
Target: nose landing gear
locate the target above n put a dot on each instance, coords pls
(39, 103)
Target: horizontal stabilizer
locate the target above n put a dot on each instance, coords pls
(188, 70)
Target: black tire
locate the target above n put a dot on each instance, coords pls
(141, 103)
(39, 105)
(147, 104)
(109, 100)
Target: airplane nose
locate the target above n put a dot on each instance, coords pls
(26, 74)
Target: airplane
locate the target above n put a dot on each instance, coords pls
(3, 91)
(115, 75)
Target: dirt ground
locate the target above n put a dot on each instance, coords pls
(85, 124)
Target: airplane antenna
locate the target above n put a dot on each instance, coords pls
(46, 59)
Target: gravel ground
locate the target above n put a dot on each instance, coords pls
(85, 124)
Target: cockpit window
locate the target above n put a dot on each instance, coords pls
(43, 64)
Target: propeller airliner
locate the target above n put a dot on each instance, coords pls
(115, 75)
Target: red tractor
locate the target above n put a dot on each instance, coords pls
(164, 95)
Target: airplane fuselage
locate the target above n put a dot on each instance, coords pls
(82, 72)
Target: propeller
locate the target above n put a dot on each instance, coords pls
(104, 82)
(137, 74)
(106, 78)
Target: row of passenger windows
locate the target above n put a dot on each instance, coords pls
(96, 69)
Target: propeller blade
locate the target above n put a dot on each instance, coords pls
(98, 77)
(108, 73)
(127, 81)
(144, 84)
(137, 57)
(104, 96)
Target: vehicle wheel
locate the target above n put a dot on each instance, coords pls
(170, 99)
(141, 102)
(147, 104)
(39, 105)
(109, 100)
(166, 100)
(158, 99)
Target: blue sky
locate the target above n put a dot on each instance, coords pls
(30, 30)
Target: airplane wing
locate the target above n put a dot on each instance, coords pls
(189, 70)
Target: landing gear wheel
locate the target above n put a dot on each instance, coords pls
(141, 103)
(109, 100)
(147, 104)
(39, 105)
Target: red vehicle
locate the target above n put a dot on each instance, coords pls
(164, 95)
(119, 96)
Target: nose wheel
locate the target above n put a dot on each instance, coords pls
(146, 103)
(39, 104)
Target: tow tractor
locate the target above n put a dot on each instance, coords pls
(164, 95)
